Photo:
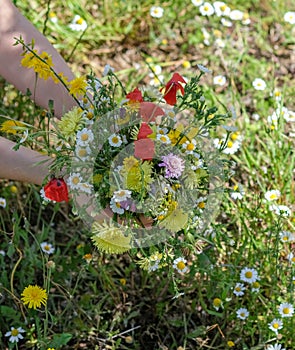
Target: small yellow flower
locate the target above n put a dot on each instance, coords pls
(78, 86)
(34, 296)
(217, 303)
(11, 126)
(13, 189)
(230, 344)
(70, 123)
(122, 281)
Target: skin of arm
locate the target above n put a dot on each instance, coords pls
(22, 165)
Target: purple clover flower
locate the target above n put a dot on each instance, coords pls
(173, 164)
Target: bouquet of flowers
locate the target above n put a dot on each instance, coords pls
(139, 166)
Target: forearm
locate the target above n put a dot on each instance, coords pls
(23, 165)
(13, 25)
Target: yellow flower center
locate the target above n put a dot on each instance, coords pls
(14, 332)
(234, 136)
(286, 310)
(82, 152)
(273, 196)
(115, 139)
(206, 8)
(255, 285)
(229, 144)
(276, 325)
(222, 7)
(46, 247)
(201, 205)
(89, 115)
(79, 21)
(249, 274)
(75, 180)
(161, 217)
(238, 289)
(190, 147)
(217, 302)
(84, 137)
(180, 265)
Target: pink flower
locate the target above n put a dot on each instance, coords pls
(174, 165)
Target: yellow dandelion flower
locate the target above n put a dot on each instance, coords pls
(175, 221)
(34, 296)
(70, 123)
(42, 65)
(109, 238)
(78, 86)
(11, 126)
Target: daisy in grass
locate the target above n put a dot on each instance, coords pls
(121, 195)
(85, 187)
(272, 195)
(189, 146)
(83, 153)
(34, 296)
(275, 325)
(115, 140)
(179, 265)
(116, 207)
(249, 275)
(2, 202)
(286, 236)
(289, 17)
(242, 313)
(226, 23)
(239, 289)
(74, 181)
(290, 116)
(236, 15)
(156, 11)
(238, 192)
(173, 164)
(217, 303)
(206, 9)
(52, 16)
(197, 2)
(78, 24)
(255, 286)
(276, 94)
(164, 139)
(286, 310)
(275, 347)
(281, 210)
(291, 258)
(47, 248)
(259, 84)
(219, 80)
(221, 9)
(15, 334)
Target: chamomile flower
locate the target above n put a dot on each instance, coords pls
(52, 17)
(255, 286)
(291, 258)
(238, 192)
(115, 140)
(84, 137)
(275, 325)
(217, 303)
(286, 236)
(281, 210)
(259, 84)
(219, 80)
(232, 147)
(226, 23)
(236, 15)
(289, 17)
(276, 94)
(249, 275)
(290, 116)
(116, 207)
(272, 195)
(83, 153)
(47, 248)
(74, 181)
(286, 310)
(197, 2)
(242, 313)
(221, 9)
(239, 289)
(206, 9)
(179, 265)
(15, 334)
(121, 195)
(85, 187)
(2, 202)
(156, 11)
(164, 139)
(78, 24)
(189, 146)
(275, 347)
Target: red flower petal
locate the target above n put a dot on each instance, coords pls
(171, 88)
(149, 111)
(144, 131)
(144, 149)
(135, 95)
(57, 190)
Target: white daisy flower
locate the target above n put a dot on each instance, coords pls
(275, 325)
(221, 9)
(242, 313)
(219, 80)
(249, 275)
(179, 264)
(255, 287)
(206, 36)
(239, 289)
(236, 15)
(206, 9)
(289, 17)
(116, 207)
(281, 210)
(83, 153)
(189, 146)
(85, 187)
(164, 139)
(238, 192)
(115, 140)
(259, 84)
(226, 23)
(291, 258)
(15, 334)
(52, 17)
(121, 195)
(232, 147)
(275, 347)
(2, 202)
(156, 70)
(47, 248)
(156, 11)
(286, 310)
(286, 236)
(277, 94)
(74, 181)
(272, 195)
(78, 24)
(290, 116)
(84, 137)
(197, 2)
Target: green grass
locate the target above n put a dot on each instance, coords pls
(111, 303)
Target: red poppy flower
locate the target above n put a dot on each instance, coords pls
(172, 87)
(144, 149)
(135, 96)
(144, 131)
(149, 111)
(56, 190)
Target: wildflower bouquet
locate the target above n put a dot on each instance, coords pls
(140, 166)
